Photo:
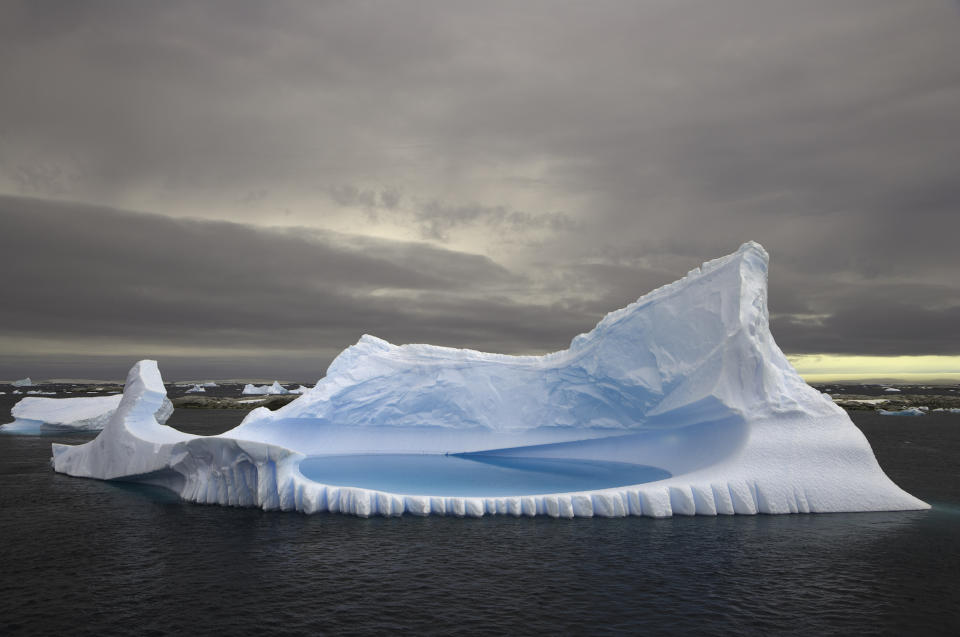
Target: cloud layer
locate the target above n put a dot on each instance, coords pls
(492, 175)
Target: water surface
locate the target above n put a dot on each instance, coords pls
(85, 557)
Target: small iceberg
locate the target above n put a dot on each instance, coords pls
(23, 382)
(892, 390)
(912, 411)
(275, 389)
(61, 415)
(196, 389)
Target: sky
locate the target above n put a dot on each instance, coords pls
(243, 189)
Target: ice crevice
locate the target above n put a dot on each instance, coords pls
(687, 379)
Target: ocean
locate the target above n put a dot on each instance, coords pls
(84, 557)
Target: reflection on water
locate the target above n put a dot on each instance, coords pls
(473, 475)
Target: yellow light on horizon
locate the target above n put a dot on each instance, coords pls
(836, 367)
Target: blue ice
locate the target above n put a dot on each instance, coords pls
(473, 475)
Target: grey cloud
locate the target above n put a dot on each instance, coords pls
(108, 276)
(589, 146)
(895, 329)
(437, 220)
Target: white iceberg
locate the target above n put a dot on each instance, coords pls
(196, 389)
(263, 390)
(209, 385)
(60, 415)
(912, 411)
(23, 382)
(892, 390)
(686, 381)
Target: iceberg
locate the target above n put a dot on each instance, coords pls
(196, 389)
(264, 390)
(23, 382)
(680, 403)
(276, 389)
(61, 415)
(912, 411)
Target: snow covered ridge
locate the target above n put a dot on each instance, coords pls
(687, 379)
(59, 415)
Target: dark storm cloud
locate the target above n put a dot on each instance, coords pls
(147, 281)
(595, 149)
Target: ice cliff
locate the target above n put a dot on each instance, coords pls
(688, 378)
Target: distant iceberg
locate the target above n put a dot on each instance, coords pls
(686, 382)
(912, 411)
(196, 389)
(60, 415)
(23, 382)
(262, 390)
(276, 389)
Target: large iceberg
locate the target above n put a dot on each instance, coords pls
(61, 415)
(687, 381)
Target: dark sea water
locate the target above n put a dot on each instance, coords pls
(84, 557)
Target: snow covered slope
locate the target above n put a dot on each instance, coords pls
(59, 415)
(687, 379)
